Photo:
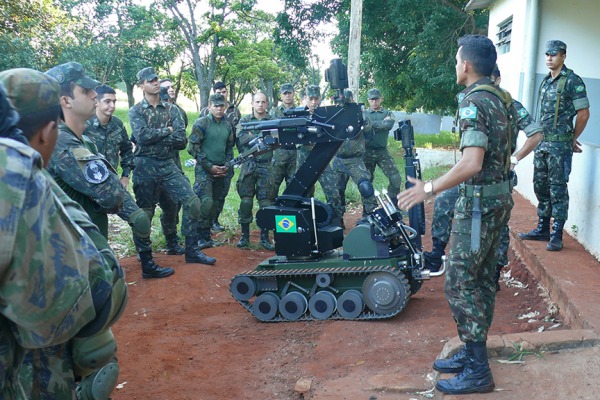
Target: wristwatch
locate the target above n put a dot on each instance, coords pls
(428, 188)
(514, 160)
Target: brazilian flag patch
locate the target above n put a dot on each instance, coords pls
(468, 112)
(580, 88)
(286, 224)
(522, 113)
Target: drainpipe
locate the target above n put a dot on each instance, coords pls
(532, 35)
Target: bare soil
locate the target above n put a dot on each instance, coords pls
(185, 337)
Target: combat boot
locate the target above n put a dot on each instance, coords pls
(541, 232)
(245, 238)
(556, 243)
(476, 376)
(497, 276)
(204, 240)
(173, 246)
(454, 364)
(150, 269)
(433, 258)
(193, 255)
(265, 242)
(217, 227)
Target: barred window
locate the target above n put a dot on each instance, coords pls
(504, 34)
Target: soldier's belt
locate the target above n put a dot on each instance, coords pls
(484, 190)
(344, 156)
(548, 137)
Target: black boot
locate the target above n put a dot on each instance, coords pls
(193, 255)
(556, 243)
(264, 240)
(433, 258)
(542, 232)
(217, 227)
(476, 377)
(497, 276)
(173, 246)
(150, 269)
(204, 241)
(454, 364)
(245, 238)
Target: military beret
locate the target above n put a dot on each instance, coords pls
(217, 99)
(30, 91)
(146, 74)
(553, 46)
(313, 91)
(373, 94)
(72, 72)
(286, 87)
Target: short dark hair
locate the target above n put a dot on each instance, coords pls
(218, 85)
(66, 89)
(31, 123)
(480, 51)
(165, 80)
(101, 90)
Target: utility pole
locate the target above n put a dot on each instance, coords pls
(354, 46)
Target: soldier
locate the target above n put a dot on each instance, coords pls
(254, 179)
(50, 372)
(233, 116)
(284, 157)
(158, 128)
(376, 135)
(483, 206)
(561, 97)
(443, 209)
(211, 145)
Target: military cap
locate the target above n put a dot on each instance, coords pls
(72, 72)
(373, 94)
(30, 91)
(553, 46)
(146, 74)
(286, 87)
(217, 99)
(313, 91)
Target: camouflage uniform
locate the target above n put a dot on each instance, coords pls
(255, 174)
(470, 287)
(553, 157)
(376, 153)
(211, 143)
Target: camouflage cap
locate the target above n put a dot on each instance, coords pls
(217, 99)
(553, 46)
(146, 74)
(72, 72)
(30, 91)
(286, 87)
(373, 94)
(313, 91)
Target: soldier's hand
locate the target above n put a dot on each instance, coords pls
(125, 181)
(412, 196)
(577, 146)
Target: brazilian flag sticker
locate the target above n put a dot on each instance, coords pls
(468, 112)
(286, 224)
(580, 88)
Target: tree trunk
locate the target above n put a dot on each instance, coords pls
(354, 46)
(130, 99)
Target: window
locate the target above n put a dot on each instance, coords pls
(504, 34)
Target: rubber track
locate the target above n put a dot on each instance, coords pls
(289, 274)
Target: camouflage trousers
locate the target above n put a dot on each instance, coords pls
(226, 185)
(129, 207)
(254, 180)
(470, 285)
(151, 176)
(441, 226)
(352, 167)
(551, 170)
(47, 373)
(383, 159)
(209, 189)
(283, 166)
(169, 218)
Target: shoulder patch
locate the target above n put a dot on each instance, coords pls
(95, 171)
(579, 88)
(82, 153)
(523, 112)
(468, 112)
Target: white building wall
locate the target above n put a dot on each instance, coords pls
(576, 23)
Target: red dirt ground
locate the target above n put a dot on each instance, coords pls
(185, 337)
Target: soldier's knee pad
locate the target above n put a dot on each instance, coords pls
(194, 205)
(246, 205)
(140, 223)
(395, 180)
(149, 212)
(207, 205)
(92, 352)
(100, 384)
(365, 187)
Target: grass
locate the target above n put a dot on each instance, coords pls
(121, 238)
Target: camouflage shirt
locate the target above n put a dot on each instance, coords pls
(378, 128)
(45, 295)
(150, 129)
(112, 142)
(211, 142)
(277, 112)
(573, 98)
(244, 137)
(232, 115)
